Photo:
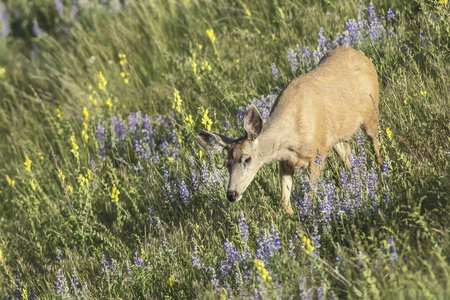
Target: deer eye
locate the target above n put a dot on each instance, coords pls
(247, 161)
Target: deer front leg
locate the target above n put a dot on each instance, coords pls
(286, 174)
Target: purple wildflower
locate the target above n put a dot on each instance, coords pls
(195, 261)
(101, 139)
(268, 243)
(390, 15)
(59, 7)
(37, 31)
(275, 71)
(138, 262)
(293, 61)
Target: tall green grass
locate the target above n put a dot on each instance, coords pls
(61, 215)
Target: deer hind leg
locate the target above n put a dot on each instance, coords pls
(286, 175)
(344, 151)
(371, 129)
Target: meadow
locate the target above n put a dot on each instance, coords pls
(105, 193)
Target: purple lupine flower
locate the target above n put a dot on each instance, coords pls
(268, 243)
(195, 261)
(60, 283)
(37, 31)
(59, 7)
(138, 262)
(275, 71)
(291, 249)
(214, 279)
(74, 282)
(293, 61)
(101, 139)
(5, 27)
(390, 15)
(372, 14)
(226, 126)
(132, 122)
(195, 181)
(184, 192)
(119, 129)
(243, 228)
(322, 42)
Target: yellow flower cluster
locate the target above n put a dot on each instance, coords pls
(389, 133)
(206, 66)
(189, 120)
(2, 72)
(262, 271)
(101, 81)
(177, 102)
(109, 103)
(443, 2)
(423, 93)
(61, 176)
(124, 67)
(211, 35)
(85, 125)
(115, 194)
(93, 96)
(27, 163)
(11, 182)
(307, 245)
(75, 147)
(248, 14)
(280, 11)
(206, 121)
(59, 113)
(170, 281)
(32, 184)
(1, 254)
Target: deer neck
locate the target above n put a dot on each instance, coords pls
(272, 147)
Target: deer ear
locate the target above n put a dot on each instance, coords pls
(253, 123)
(213, 142)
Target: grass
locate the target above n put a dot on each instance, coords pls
(92, 215)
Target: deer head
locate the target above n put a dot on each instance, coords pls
(243, 160)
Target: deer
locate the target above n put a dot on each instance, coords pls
(314, 113)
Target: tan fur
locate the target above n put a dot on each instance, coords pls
(314, 113)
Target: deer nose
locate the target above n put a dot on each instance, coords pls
(231, 196)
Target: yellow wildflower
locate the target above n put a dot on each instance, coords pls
(10, 181)
(307, 245)
(176, 103)
(85, 125)
(69, 189)
(109, 103)
(115, 194)
(61, 176)
(206, 121)
(27, 163)
(262, 271)
(101, 82)
(211, 35)
(200, 154)
(423, 93)
(75, 147)
(206, 66)
(281, 12)
(1, 254)
(443, 2)
(170, 281)
(2, 71)
(404, 102)
(142, 252)
(32, 184)
(189, 120)
(85, 113)
(389, 133)
(24, 293)
(60, 113)
(126, 80)
(247, 12)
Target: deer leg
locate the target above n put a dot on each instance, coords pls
(344, 151)
(286, 174)
(371, 129)
(315, 168)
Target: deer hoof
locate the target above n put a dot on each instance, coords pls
(289, 211)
